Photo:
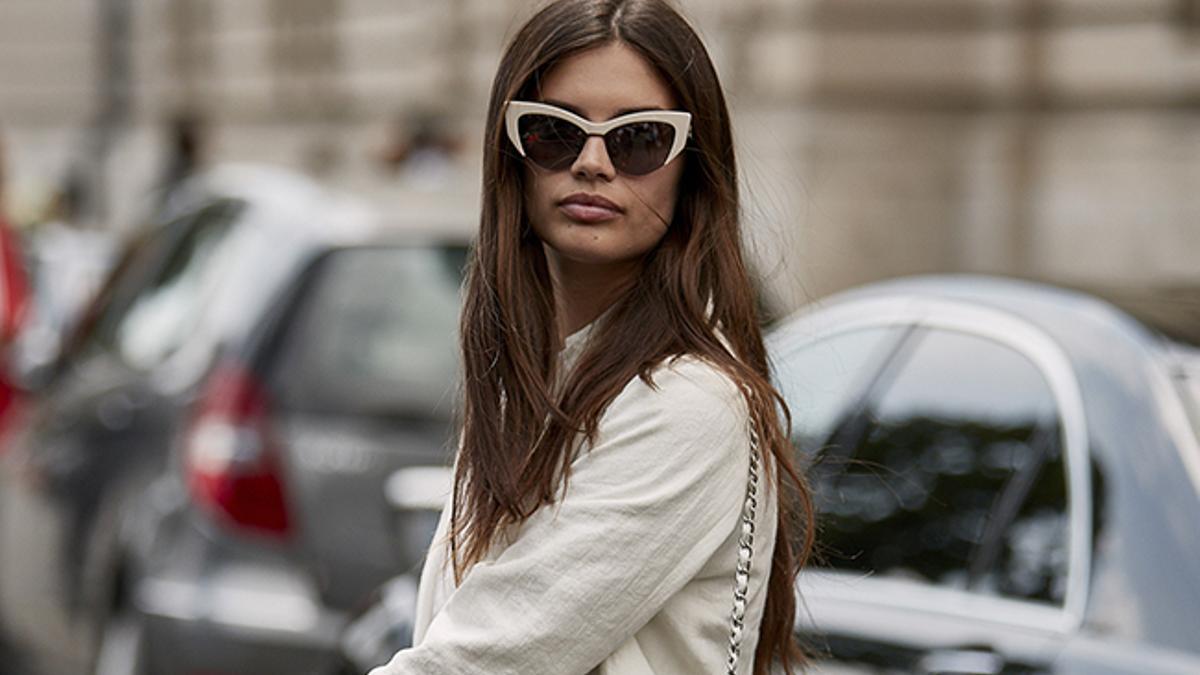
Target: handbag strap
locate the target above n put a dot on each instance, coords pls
(741, 579)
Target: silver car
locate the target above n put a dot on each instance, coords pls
(199, 487)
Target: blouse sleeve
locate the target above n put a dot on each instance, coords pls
(646, 507)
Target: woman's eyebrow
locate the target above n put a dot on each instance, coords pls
(577, 111)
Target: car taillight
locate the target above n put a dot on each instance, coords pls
(231, 457)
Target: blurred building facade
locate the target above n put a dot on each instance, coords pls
(1055, 139)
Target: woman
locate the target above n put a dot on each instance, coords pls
(596, 522)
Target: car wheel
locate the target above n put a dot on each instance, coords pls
(121, 647)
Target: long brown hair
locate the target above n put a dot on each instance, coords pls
(517, 428)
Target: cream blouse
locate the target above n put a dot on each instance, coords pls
(631, 571)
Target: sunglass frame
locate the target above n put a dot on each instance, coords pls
(678, 119)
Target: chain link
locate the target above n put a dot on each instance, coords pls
(741, 578)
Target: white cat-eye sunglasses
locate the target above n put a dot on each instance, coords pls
(638, 143)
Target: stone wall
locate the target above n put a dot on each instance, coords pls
(1047, 138)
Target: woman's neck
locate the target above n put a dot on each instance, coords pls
(584, 291)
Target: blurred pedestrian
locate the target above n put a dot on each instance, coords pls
(14, 291)
(421, 152)
(14, 303)
(620, 501)
(185, 156)
(69, 259)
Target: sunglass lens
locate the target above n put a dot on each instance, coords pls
(550, 142)
(640, 147)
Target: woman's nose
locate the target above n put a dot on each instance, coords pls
(593, 161)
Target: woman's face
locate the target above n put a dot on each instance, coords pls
(599, 84)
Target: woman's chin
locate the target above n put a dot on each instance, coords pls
(619, 241)
(593, 251)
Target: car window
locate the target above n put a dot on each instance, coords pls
(819, 379)
(951, 474)
(376, 335)
(141, 268)
(165, 309)
(121, 282)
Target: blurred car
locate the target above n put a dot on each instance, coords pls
(1007, 477)
(385, 625)
(1007, 480)
(199, 488)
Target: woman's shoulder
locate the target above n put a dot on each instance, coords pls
(684, 392)
(693, 375)
(688, 420)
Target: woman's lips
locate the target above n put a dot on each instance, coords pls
(588, 214)
(586, 208)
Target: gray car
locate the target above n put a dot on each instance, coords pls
(1007, 478)
(199, 487)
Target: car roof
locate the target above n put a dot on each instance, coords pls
(1171, 310)
(303, 209)
(1067, 314)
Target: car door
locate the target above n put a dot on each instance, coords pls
(947, 537)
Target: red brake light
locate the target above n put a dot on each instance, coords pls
(231, 457)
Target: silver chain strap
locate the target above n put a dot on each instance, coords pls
(741, 578)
